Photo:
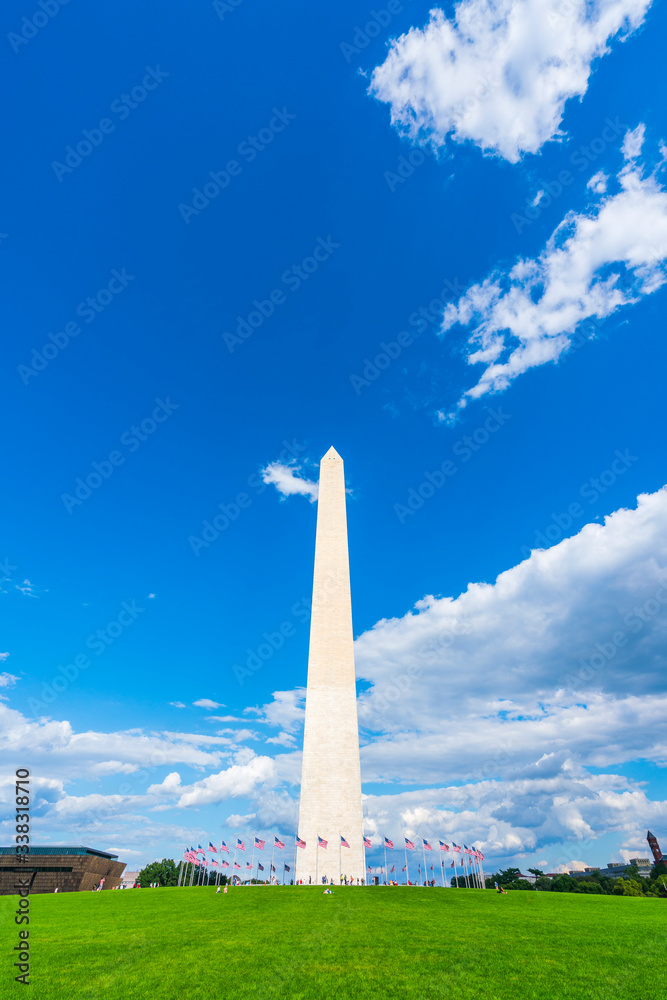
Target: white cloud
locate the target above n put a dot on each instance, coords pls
(283, 740)
(286, 711)
(592, 265)
(207, 703)
(239, 779)
(545, 628)
(598, 182)
(286, 480)
(177, 704)
(500, 73)
(8, 680)
(3, 657)
(114, 767)
(633, 142)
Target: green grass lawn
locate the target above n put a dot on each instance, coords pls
(408, 943)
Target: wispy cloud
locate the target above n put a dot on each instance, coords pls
(501, 71)
(592, 265)
(207, 703)
(286, 479)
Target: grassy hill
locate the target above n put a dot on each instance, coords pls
(282, 942)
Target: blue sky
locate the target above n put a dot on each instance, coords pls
(415, 261)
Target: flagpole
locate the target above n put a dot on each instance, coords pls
(317, 857)
(296, 867)
(340, 859)
(273, 849)
(252, 863)
(407, 873)
(424, 857)
(442, 871)
(385, 862)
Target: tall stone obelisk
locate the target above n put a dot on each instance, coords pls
(331, 774)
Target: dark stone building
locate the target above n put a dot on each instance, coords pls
(69, 869)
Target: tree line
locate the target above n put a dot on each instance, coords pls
(631, 883)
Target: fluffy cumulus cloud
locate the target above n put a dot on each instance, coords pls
(234, 781)
(593, 264)
(584, 616)
(500, 72)
(288, 482)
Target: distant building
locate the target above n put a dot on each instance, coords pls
(67, 869)
(129, 880)
(617, 869)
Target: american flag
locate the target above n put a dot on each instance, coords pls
(214, 861)
(278, 843)
(300, 842)
(240, 846)
(388, 843)
(367, 842)
(273, 868)
(260, 866)
(248, 865)
(455, 847)
(391, 869)
(443, 845)
(408, 843)
(369, 868)
(200, 849)
(287, 868)
(427, 846)
(452, 864)
(343, 842)
(224, 864)
(461, 863)
(321, 843)
(237, 865)
(403, 868)
(223, 846)
(259, 843)
(467, 849)
(212, 848)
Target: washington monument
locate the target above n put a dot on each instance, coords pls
(330, 805)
